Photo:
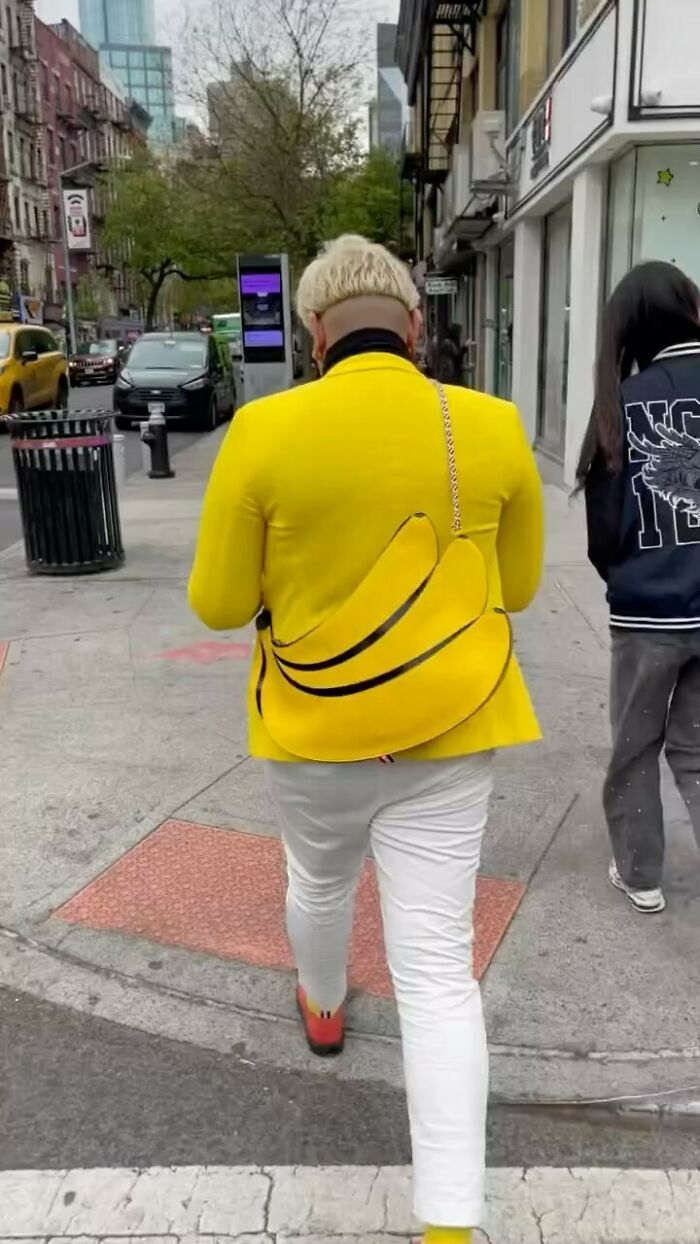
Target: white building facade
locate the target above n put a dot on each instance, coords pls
(570, 150)
(606, 166)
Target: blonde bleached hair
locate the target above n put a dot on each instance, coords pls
(353, 267)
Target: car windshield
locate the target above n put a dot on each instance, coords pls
(4, 345)
(101, 349)
(169, 353)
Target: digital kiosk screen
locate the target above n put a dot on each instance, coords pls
(262, 315)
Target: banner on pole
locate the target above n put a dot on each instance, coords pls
(75, 207)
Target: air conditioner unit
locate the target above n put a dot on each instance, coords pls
(488, 149)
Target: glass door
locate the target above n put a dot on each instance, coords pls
(554, 358)
(504, 321)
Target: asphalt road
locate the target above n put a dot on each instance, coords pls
(87, 398)
(77, 1091)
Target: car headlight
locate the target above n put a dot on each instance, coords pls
(198, 383)
(124, 381)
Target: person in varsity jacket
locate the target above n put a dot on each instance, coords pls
(640, 469)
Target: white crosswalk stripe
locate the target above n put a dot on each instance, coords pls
(308, 1205)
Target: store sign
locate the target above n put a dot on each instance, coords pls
(541, 132)
(436, 285)
(75, 207)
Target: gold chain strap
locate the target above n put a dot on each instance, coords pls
(451, 459)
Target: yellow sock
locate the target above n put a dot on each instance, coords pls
(447, 1235)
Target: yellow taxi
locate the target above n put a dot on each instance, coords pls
(33, 369)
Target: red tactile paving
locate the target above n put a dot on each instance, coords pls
(4, 649)
(222, 892)
(206, 652)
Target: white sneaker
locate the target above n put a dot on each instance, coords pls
(649, 902)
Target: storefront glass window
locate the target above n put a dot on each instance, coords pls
(620, 219)
(554, 361)
(654, 209)
(667, 206)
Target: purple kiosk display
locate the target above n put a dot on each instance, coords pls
(263, 282)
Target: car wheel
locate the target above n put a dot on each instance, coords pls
(16, 405)
(62, 394)
(212, 418)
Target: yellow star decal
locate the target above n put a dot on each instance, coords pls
(665, 177)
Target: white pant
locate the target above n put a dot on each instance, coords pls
(424, 821)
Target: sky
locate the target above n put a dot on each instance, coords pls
(167, 10)
(170, 14)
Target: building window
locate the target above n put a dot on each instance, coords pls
(24, 276)
(513, 91)
(554, 360)
(508, 64)
(563, 28)
(3, 84)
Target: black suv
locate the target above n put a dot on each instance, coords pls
(183, 374)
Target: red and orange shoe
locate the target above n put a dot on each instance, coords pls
(325, 1030)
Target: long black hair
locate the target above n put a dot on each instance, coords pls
(654, 306)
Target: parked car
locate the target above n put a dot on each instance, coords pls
(95, 362)
(33, 370)
(182, 372)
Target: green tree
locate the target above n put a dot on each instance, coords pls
(169, 220)
(282, 112)
(93, 297)
(367, 199)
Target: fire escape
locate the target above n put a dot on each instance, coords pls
(450, 31)
(433, 37)
(28, 118)
(6, 256)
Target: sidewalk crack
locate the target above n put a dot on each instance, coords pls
(268, 1198)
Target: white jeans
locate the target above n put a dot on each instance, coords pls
(424, 821)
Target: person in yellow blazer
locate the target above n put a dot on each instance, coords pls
(308, 489)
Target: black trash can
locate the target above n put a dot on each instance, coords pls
(67, 491)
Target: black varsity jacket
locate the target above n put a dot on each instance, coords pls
(644, 523)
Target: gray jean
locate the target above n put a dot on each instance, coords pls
(654, 705)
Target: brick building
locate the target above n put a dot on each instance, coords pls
(26, 258)
(87, 122)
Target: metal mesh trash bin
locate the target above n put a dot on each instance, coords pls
(67, 491)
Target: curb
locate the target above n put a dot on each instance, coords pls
(254, 1037)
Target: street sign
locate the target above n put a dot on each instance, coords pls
(440, 285)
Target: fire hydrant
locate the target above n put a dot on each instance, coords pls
(155, 435)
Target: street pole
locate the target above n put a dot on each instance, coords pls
(72, 336)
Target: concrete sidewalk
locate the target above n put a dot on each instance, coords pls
(338, 1205)
(140, 876)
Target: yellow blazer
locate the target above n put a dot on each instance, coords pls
(310, 485)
